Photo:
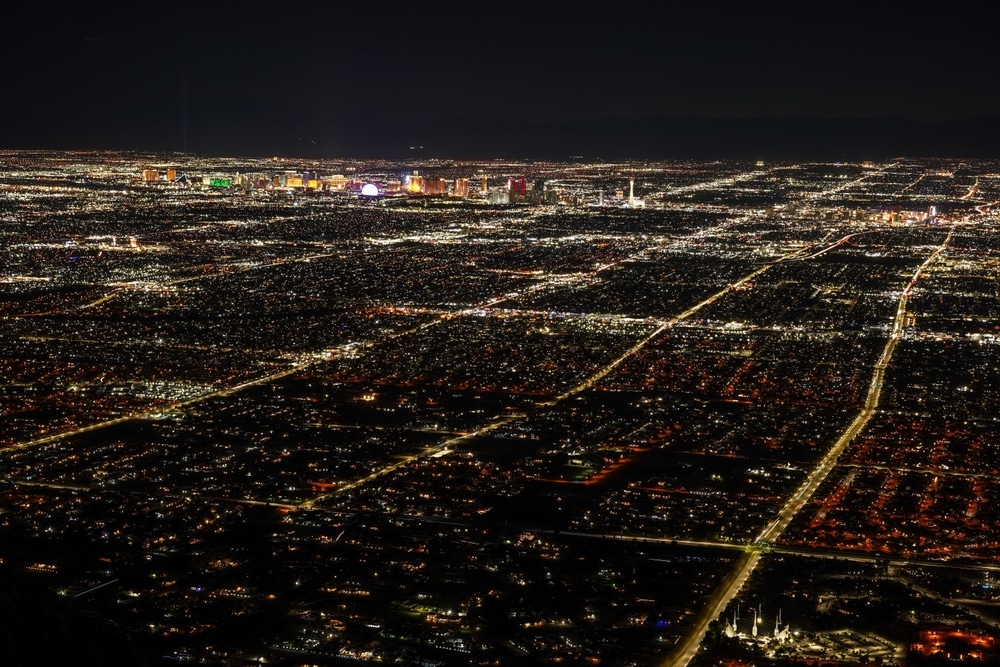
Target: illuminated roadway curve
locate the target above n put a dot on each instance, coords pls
(688, 647)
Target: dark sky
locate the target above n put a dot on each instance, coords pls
(70, 75)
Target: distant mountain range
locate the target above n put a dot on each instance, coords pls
(249, 127)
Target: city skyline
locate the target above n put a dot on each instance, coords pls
(484, 335)
(507, 412)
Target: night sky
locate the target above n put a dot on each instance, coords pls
(315, 77)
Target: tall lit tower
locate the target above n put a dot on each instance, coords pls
(631, 190)
(517, 188)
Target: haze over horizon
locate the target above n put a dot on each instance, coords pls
(499, 334)
(156, 79)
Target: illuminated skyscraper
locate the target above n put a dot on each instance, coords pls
(517, 187)
(435, 186)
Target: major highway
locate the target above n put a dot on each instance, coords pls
(688, 646)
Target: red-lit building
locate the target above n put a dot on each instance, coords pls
(517, 187)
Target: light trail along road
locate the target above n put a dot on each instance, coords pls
(688, 647)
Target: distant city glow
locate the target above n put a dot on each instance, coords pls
(553, 418)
